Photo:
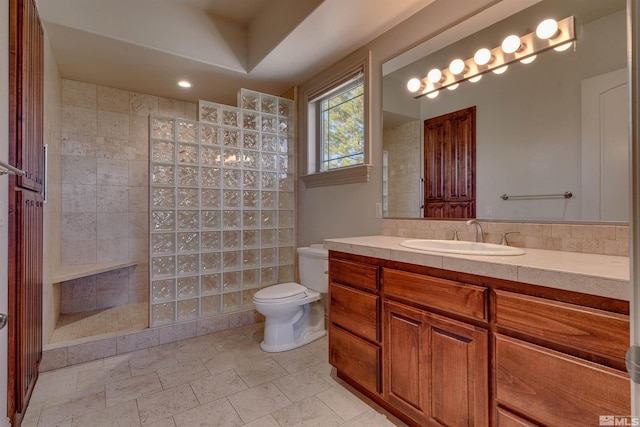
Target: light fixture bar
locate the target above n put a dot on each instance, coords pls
(530, 45)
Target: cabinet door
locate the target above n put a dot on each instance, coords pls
(435, 369)
(405, 373)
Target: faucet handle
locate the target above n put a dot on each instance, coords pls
(503, 238)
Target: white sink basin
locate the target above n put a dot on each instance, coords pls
(461, 247)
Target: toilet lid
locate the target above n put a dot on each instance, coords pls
(282, 292)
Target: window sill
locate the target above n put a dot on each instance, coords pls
(350, 175)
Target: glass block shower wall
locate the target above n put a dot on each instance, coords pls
(221, 207)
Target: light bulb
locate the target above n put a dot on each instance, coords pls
(414, 85)
(184, 83)
(433, 94)
(453, 86)
(511, 44)
(476, 78)
(547, 29)
(482, 56)
(457, 66)
(563, 47)
(501, 69)
(529, 59)
(434, 76)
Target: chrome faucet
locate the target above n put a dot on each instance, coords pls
(479, 235)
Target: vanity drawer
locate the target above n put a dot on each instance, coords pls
(507, 419)
(596, 331)
(554, 388)
(355, 311)
(448, 295)
(355, 358)
(352, 273)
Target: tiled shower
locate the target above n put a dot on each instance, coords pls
(221, 207)
(233, 210)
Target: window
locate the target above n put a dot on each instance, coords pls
(341, 126)
(334, 116)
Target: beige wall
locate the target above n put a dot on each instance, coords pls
(350, 210)
(105, 185)
(53, 207)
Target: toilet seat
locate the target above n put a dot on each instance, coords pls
(283, 292)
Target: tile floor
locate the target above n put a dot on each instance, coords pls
(220, 379)
(124, 318)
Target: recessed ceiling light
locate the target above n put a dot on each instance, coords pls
(184, 83)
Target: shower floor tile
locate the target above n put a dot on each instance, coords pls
(124, 318)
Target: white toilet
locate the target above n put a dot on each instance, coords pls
(294, 316)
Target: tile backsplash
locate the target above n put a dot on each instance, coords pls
(605, 239)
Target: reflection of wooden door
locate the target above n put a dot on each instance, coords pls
(450, 164)
(26, 87)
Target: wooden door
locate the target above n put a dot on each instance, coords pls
(26, 93)
(449, 151)
(435, 369)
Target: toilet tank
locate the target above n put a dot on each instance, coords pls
(313, 266)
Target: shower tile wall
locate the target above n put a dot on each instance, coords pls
(222, 199)
(105, 186)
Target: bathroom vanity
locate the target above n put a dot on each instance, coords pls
(454, 340)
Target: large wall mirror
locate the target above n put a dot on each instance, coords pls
(556, 125)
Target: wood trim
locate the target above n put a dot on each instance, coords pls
(349, 175)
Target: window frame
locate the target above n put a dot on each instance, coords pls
(311, 173)
(321, 144)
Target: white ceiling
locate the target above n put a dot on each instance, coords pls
(218, 45)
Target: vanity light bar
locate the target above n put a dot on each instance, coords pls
(530, 45)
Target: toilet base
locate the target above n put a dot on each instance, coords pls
(307, 325)
(298, 342)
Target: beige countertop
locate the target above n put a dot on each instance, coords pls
(602, 275)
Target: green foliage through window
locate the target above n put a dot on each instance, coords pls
(342, 126)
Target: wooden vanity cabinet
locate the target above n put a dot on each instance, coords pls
(440, 348)
(354, 327)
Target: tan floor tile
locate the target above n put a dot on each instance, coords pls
(372, 419)
(151, 363)
(297, 360)
(259, 401)
(261, 371)
(166, 422)
(122, 414)
(182, 373)
(73, 406)
(132, 388)
(217, 386)
(300, 385)
(219, 413)
(166, 403)
(220, 362)
(219, 379)
(266, 421)
(343, 403)
(308, 412)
